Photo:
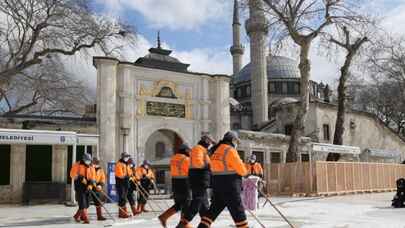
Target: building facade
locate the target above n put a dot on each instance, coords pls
(148, 108)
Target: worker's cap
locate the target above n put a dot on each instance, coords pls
(252, 157)
(125, 155)
(231, 135)
(184, 147)
(146, 162)
(96, 160)
(208, 139)
(86, 157)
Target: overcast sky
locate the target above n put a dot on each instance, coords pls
(199, 32)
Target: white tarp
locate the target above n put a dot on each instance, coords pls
(339, 149)
(37, 137)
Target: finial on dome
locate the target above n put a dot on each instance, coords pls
(158, 40)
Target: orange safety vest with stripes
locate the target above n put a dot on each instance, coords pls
(141, 172)
(199, 158)
(122, 170)
(100, 176)
(179, 165)
(79, 169)
(254, 169)
(226, 161)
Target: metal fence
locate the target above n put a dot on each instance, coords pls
(331, 177)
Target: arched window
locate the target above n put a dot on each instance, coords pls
(160, 150)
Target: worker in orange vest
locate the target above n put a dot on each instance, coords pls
(199, 178)
(123, 173)
(179, 170)
(100, 182)
(133, 188)
(227, 171)
(84, 176)
(146, 178)
(254, 168)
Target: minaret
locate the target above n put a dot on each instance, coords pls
(257, 29)
(237, 48)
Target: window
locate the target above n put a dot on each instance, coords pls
(235, 93)
(239, 92)
(160, 150)
(5, 164)
(291, 88)
(278, 87)
(297, 88)
(326, 132)
(288, 129)
(272, 87)
(284, 88)
(236, 126)
(305, 157)
(275, 157)
(38, 163)
(248, 91)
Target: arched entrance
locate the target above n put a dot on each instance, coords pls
(158, 149)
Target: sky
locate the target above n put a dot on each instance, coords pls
(200, 33)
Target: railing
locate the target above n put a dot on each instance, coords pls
(332, 177)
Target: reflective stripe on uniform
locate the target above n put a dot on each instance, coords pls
(226, 169)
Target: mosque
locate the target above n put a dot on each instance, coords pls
(149, 107)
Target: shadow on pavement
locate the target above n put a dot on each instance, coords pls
(43, 222)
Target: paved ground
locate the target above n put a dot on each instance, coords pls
(357, 211)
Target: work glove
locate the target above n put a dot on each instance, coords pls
(84, 181)
(99, 188)
(89, 187)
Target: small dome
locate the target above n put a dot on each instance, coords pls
(284, 101)
(277, 67)
(160, 57)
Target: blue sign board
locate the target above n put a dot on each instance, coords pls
(111, 190)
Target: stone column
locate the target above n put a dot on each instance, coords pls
(107, 125)
(126, 109)
(257, 29)
(17, 172)
(205, 106)
(220, 110)
(59, 163)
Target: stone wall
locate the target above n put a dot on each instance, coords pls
(361, 129)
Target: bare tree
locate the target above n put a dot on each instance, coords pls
(351, 48)
(33, 31)
(303, 21)
(46, 89)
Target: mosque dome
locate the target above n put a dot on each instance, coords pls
(278, 67)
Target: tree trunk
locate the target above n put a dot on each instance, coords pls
(340, 118)
(299, 127)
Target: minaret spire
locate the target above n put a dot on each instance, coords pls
(237, 49)
(236, 12)
(158, 40)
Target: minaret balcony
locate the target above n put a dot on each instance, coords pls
(237, 49)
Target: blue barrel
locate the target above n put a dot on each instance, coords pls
(111, 191)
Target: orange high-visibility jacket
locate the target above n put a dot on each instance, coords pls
(79, 169)
(199, 158)
(179, 165)
(100, 176)
(122, 170)
(141, 172)
(254, 169)
(225, 161)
